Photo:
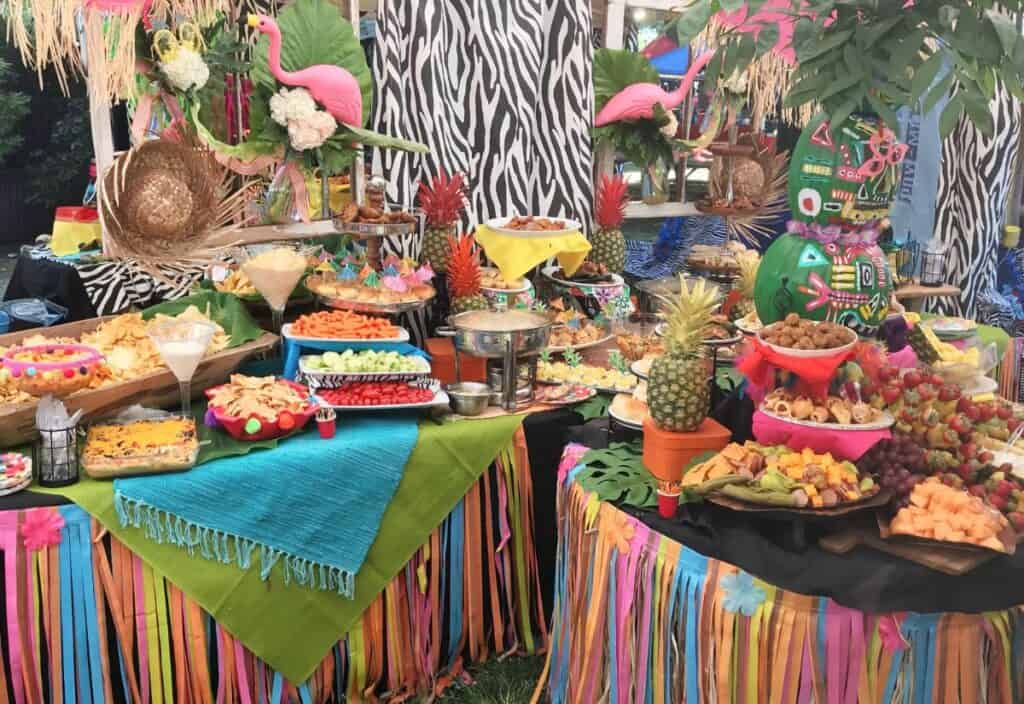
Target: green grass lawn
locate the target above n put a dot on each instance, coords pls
(510, 681)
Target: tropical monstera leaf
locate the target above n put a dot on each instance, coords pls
(314, 32)
(618, 474)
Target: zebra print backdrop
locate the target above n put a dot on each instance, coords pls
(499, 91)
(974, 182)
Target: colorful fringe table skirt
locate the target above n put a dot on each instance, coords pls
(641, 618)
(86, 620)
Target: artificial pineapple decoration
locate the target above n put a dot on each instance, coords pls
(443, 201)
(748, 263)
(464, 275)
(678, 391)
(609, 246)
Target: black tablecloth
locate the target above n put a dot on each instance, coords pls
(863, 579)
(44, 278)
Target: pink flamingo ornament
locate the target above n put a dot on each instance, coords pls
(637, 101)
(331, 86)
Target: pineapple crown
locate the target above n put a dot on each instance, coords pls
(748, 263)
(463, 267)
(443, 200)
(612, 197)
(688, 317)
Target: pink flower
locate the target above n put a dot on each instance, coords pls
(570, 458)
(41, 528)
(890, 632)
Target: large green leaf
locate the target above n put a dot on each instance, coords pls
(314, 32)
(618, 474)
(376, 139)
(223, 308)
(614, 69)
(249, 150)
(950, 115)
(693, 20)
(925, 75)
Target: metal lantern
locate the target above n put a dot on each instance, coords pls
(933, 266)
(55, 456)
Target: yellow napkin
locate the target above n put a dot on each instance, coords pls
(514, 256)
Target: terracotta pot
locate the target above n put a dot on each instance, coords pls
(667, 454)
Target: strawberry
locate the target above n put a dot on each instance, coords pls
(891, 394)
(912, 379)
(997, 501)
(949, 392)
(963, 404)
(977, 490)
(1004, 489)
(1004, 412)
(986, 411)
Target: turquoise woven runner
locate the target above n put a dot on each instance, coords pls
(314, 505)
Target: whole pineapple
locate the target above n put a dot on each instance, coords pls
(609, 246)
(443, 201)
(678, 392)
(748, 263)
(464, 275)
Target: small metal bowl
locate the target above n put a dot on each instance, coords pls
(469, 398)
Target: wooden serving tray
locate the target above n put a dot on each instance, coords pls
(159, 389)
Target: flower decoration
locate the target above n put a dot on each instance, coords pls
(425, 273)
(308, 127)
(41, 528)
(621, 531)
(890, 632)
(741, 594)
(179, 57)
(395, 283)
(570, 458)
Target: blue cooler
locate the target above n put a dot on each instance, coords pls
(28, 313)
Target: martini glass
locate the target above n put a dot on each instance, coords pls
(274, 273)
(182, 344)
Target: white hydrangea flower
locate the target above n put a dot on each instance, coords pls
(311, 132)
(186, 70)
(287, 106)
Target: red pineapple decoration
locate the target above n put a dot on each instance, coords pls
(464, 275)
(609, 246)
(612, 198)
(443, 201)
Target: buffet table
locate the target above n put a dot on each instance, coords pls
(443, 582)
(717, 606)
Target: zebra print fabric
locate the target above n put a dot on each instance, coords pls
(117, 286)
(974, 182)
(501, 92)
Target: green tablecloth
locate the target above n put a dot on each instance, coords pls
(291, 627)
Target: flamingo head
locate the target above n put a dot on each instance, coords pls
(262, 23)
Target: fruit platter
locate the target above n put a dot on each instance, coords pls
(937, 512)
(383, 395)
(332, 369)
(756, 477)
(590, 375)
(343, 326)
(259, 408)
(532, 226)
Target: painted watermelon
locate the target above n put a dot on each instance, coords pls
(845, 177)
(846, 285)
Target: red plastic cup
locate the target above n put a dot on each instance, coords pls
(668, 503)
(327, 428)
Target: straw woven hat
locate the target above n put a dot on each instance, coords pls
(160, 200)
